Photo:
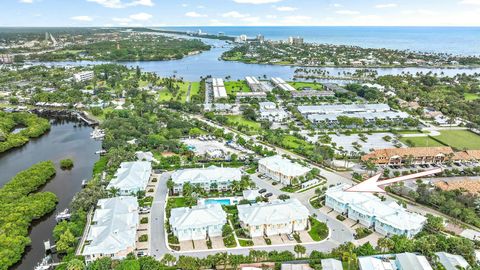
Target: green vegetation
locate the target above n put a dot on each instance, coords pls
(128, 48)
(302, 85)
(444, 94)
(471, 96)
(19, 206)
(318, 230)
(100, 165)
(143, 238)
(233, 87)
(321, 55)
(34, 127)
(66, 164)
(421, 142)
(245, 242)
(459, 139)
(362, 232)
(238, 120)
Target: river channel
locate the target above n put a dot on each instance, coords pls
(191, 68)
(64, 140)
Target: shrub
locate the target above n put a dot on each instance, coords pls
(341, 218)
(144, 220)
(66, 164)
(143, 238)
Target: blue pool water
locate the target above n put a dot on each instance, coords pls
(217, 201)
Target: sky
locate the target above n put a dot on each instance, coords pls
(240, 13)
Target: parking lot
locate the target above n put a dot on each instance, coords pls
(463, 168)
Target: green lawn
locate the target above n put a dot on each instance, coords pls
(233, 87)
(239, 120)
(176, 202)
(318, 231)
(420, 142)
(301, 85)
(471, 96)
(460, 139)
(165, 95)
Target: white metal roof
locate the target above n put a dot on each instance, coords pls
(132, 176)
(372, 263)
(413, 261)
(275, 212)
(343, 108)
(115, 228)
(388, 213)
(198, 216)
(210, 174)
(451, 261)
(285, 166)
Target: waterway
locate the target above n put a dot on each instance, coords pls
(64, 140)
(191, 68)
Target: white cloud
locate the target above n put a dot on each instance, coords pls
(184, 5)
(337, 5)
(285, 8)
(194, 14)
(120, 4)
(251, 19)
(389, 5)
(271, 16)
(26, 1)
(142, 16)
(234, 14)
(82, 18)
(470, 2)
(297, 20)
(347, 12)
(257, 2)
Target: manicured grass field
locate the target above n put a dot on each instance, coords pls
(233, 87)
(420, 142)
(301, 85)
(471, 96)
(460, 139)
(239, 120)
(165, 95)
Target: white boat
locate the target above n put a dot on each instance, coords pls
(64, 215)
(45, 264)
(97, 134)
(101, 152)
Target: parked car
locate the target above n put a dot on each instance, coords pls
(290, 237)
(262, 191)
(268, 195)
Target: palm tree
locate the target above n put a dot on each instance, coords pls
(114, 192)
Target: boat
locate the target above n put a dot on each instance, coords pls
(97, 134)
(101, 152)
(64, 215)
(84, 183)
(45, 264)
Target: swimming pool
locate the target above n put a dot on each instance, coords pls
(218, 201)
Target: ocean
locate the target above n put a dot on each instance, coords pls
(452, 40)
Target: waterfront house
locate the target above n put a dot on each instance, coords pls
(113, 230)
(131, 177)
(198, 222)
(273, 218)
(386, 218)
(281, 169)
(210, 178)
